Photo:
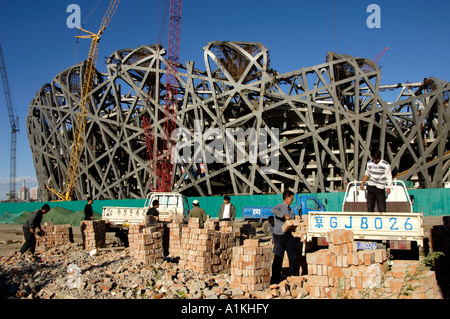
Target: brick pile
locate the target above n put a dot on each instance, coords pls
(207, 249)
(145, 242)
(341, 271)
(172, 238)
(55, 235)
(224, 241)
(93, 234)
(251, 266)
(196, 247)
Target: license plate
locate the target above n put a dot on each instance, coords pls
(366, 245)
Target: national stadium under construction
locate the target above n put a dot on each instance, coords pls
(320, 124)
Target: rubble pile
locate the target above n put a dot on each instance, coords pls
(341, 271)
(113, 273)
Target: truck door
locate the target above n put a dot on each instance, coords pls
(186, 207)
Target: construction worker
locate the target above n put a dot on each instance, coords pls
(377, 174)
(88, 211)
(153, 211)
(227, 210)
(198, 212)
(283, 242)
(30, 229)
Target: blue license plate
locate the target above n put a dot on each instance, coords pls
(366, 245)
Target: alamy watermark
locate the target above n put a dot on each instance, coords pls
(74, 19)
(374, 19)
(233, 145)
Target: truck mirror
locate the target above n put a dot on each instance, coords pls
(412, 199)
(326, 201)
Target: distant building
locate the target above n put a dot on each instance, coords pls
(24, 192)
(35, 194)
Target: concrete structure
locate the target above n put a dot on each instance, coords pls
(244, 128)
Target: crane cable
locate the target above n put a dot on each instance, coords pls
(335, 31)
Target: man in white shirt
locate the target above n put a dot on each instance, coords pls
(227, 210)
(377, 175)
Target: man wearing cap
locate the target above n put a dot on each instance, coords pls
(198, 212)
(30, 227)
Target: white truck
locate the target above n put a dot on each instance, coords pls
(170, 205)
(398, 227)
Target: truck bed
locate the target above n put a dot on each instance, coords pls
(368, 226)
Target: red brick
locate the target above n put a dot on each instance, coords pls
(251, 242)
(340, 236)
(318, 281)
(353, 259)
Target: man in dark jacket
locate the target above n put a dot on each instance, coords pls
(227, 210)
(30, 227)
(153, 211)
(88, 211)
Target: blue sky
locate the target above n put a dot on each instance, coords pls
(37, 43)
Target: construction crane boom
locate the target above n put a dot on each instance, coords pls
(166, 172)
(380, 55)
(14, 121)
(366, 68)
(160, 153)
(80, 125)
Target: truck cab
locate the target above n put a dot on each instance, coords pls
(170, 205)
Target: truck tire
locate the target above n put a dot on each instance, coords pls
(266, 227)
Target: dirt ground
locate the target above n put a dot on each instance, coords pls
(11, 236)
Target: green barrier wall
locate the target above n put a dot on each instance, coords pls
(432, 202)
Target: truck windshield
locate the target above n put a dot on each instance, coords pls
(167, 201)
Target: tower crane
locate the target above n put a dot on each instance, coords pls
(161, 158)
(14, 121)
(80, 125)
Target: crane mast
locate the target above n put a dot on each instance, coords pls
(81, 120)
(162, 159)
(14, 121)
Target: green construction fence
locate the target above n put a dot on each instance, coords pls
(432, 202)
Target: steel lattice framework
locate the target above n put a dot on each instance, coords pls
(327, 118)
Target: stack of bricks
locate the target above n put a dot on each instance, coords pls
(251, 266)
(55, 235)
(224, 241)
(301, 228)
(93, 234)
(173, 239)
(343, 271)
(208, 249)
(196, 247)
(145, 242)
